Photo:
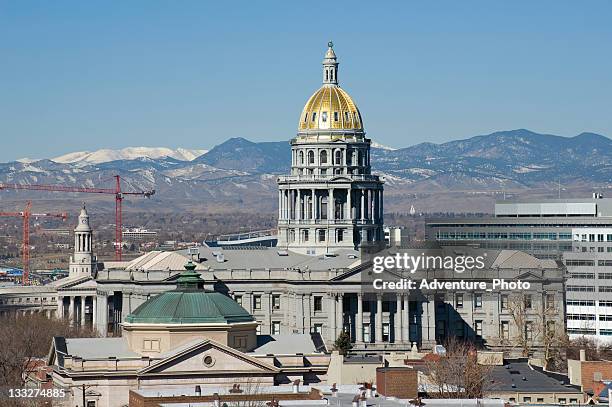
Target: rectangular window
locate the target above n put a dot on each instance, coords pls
(505, 330)
(321, 235)
(504, 301)
(550, 301)
(335, 116)
(528, 302)
(238, 299)
(478, 328)
(581, 288)
(459, 329)
(459, 301)
(257, 302)
(318, 328)
(584, 276)
(314, 116)
(579, 263)
(477, 300)
(324, 117)
(340, 235)
(91, 403)
(529, 330)
(276, 302)
(305, 235)
(366, 333)
(276, 328)
(151, 345)
(385, 332)
(318, 303)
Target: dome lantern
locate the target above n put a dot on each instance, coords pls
(330, 66)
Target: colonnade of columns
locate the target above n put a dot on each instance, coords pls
(399, 319)
(311, 204)
(76, 315)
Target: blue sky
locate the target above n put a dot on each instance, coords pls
(88, 75)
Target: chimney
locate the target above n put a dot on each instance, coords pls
(334, 390)
(582, 355)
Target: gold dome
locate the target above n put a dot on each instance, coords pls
(330, 108)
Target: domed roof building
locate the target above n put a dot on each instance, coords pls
(330, 111)
(189, 312)
(330, 201)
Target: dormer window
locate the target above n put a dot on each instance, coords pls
(335, 116)
(346, 116)
(324, 117)
(314, 116)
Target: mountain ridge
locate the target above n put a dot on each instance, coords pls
(238, 170)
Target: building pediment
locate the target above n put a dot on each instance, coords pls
(85, 282)
(207, 356)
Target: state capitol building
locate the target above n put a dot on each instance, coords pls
(330, 210)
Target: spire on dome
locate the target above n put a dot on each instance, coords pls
(330, 66)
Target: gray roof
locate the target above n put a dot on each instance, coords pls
(99, 348)
(269, 257)
(286, 344)
(503, 377)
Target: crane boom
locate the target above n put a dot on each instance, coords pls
(25, 250)
(117, 192)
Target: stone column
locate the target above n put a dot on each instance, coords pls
(428, 323)
(349, 204)
(94, 310)
(379, 318)
(406, 319)
(83, 299)
(330, 206)
(382, 198)
(332, 316)
(102, 319)
(370, 202)
(397, 319)
(359, 318)
(60, 307)
(280, 204)
(362, 208)
(71, 309)
(340, 313)
(298, 204)
(313, 204)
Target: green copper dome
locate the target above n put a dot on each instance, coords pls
(189, 303)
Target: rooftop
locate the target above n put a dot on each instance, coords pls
(520, 376)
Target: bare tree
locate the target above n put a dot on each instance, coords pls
(457, 374)
(536, 327)
(25, 338)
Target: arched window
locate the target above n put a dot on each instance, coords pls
(323, 157)
(311, 157)
(338, 158)
(301, 157)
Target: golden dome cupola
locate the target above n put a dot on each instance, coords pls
(330, 112)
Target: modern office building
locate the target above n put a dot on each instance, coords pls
(544, 228)
(576, 231)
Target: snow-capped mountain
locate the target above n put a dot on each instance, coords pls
(240, 172)
(128, 153)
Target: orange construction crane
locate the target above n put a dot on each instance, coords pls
(25, 250)
(119, 195)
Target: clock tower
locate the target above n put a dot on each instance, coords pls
(83, 262)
